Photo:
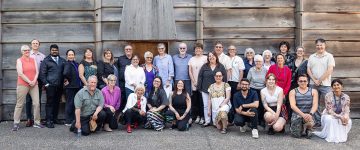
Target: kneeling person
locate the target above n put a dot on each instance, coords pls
(304, 103)
(89, 103)
(246, 103)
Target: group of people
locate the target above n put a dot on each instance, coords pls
(214, 90)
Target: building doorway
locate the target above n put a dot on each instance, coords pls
(139, 48)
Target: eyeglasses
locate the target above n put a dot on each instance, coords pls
(26, 50)
(128, 49)
(244, 84)
(157, 81)
(161, 48)
(218, 47)
(218, 76)
(182, 48)
(302, 81)
(231, 49)
(149, 58)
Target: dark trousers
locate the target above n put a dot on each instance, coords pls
(123, 95)
(53, 95)
(85, 126)
(132, 116)
(260, 109)
(231, 113)
(70, 107)
(110, 118)
(29, 102)
(182, 125)
(240, 120)
(197, 108)
(127, 93)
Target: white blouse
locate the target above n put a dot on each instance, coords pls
(134, 75)
(271, 100)
(131, 102)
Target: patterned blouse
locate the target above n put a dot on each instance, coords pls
(332, 105)
(218, 93)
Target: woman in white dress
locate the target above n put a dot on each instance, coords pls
(219, 102)
(335, 119)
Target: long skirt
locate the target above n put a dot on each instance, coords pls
(333, 130)
(155, 120)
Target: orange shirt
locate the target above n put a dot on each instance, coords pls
(29, 70)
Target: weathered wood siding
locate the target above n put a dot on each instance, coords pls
(338, 22)
(257, 24)
(260, 24)
(68, 23)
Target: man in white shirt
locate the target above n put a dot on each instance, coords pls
(319, 68)
(223, 59)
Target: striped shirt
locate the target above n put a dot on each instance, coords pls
(304, 101)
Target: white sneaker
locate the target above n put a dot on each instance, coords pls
(242, 129)
(202, 121)
(197, 119)
(190, 121)
(255, 133)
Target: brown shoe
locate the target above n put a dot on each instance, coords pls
(29, 123)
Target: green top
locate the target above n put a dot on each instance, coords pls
(88, 103)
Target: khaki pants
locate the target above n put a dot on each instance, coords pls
(21, 92)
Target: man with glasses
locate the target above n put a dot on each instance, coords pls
(223, 59)
(246, 102)
(121, 63)
(39, 57)
(304, 103)
(181, 67)
(165, 65)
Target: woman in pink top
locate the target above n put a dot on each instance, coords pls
(112, 95)
(27, 71)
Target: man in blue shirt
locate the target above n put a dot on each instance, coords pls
(246, 103)
(181, 68)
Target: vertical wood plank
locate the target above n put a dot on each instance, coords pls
(1, 76)
(199, 22)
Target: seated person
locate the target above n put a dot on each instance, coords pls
(180, 104)
(304, 103)
(335, 119)
(272, 98)
(246, 103)
(135, 109)
(156, 103)
(89, 103)
(112, 95)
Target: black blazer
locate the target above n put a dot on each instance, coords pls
(71, 74)
(52, 73)
(103, 71)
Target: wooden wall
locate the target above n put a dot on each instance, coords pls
(260, 24)
(338, 22)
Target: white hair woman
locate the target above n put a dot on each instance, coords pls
(249, 60)
(267, 55)
(111, 94)
(28, 72)
(151, 71)
(135, 109)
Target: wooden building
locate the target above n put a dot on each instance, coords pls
(260, 24)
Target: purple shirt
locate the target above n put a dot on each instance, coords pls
(39, 57)
(111, 99)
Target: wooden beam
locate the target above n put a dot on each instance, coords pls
(199, 22)
(348, 21)
(11, 5)
(274, 17)
(249, 3)
(332, 6)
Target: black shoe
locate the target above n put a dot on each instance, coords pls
(308, 134)
(271, 131)
(50, 124)
(173, 126)
(282, 131)
(56, 121)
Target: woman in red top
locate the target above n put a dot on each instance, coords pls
(27, 71)
(282, 73)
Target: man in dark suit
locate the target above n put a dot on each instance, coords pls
(51, 69)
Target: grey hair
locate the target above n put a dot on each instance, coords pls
(258, 58)
(267, 51)
(299, 47)
(249, 50)
(92, 77)
(182, 43)
(160, 45)
(24, 47)
(139, 86)
(111, 76)
(148, 54)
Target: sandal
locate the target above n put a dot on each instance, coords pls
(223, 131)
